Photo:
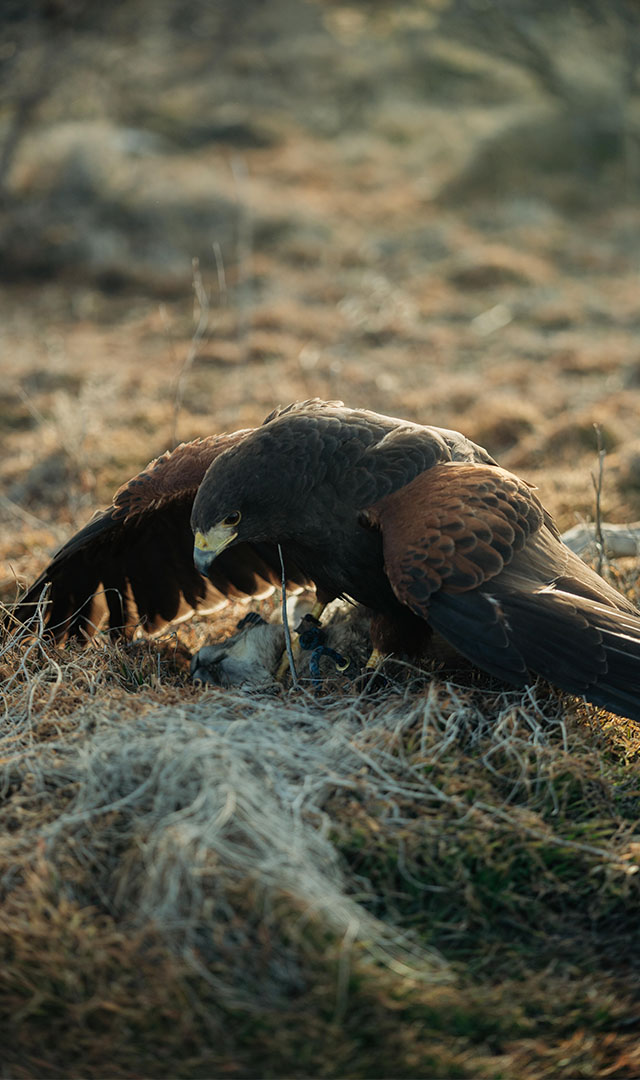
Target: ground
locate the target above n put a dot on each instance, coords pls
(425, 209)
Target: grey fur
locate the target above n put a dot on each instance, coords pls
(249, 659)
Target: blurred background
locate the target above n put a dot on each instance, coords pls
(212, 207)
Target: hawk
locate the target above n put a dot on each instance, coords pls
(417, 523)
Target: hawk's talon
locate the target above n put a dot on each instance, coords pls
(341, 662)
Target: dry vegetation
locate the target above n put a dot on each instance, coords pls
(418, 209)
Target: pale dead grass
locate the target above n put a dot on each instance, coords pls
(257, 850)
(441, 882)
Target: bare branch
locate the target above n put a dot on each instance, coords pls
(285, 623)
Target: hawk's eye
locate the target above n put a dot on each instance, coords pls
(232, 519)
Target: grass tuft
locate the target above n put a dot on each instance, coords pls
(207, 882)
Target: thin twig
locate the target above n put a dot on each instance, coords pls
(222, 277)
(285, 623)
(198, 334)
(31, 519)
(244, 250)
(597, 484)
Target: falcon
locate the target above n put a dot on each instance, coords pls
(416, 523)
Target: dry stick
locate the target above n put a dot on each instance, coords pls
(222, 277)
(198, 334)
(244, 250)
(19, 511)
(285, 623)
(597, 484)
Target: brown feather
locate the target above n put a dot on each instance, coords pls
(470, 549)
(176, 474)
(453, 528)
(136, 557)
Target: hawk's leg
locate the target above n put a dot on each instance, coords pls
(403, 635)
(371, 679)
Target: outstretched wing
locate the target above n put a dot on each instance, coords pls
(469, 548)
(453, 528)
(135, 559)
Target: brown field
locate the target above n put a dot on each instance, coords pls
(427, 209)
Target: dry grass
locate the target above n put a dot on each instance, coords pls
(213, 882)
(439, 882)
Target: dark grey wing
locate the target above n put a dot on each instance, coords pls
(134, 561)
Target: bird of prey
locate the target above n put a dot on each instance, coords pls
(416, 523)
(132, 564)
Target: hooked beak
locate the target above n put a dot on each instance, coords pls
(207, 546)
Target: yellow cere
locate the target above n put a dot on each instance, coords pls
(215, 539)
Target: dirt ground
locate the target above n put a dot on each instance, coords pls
(326, 168)
(426, 209)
